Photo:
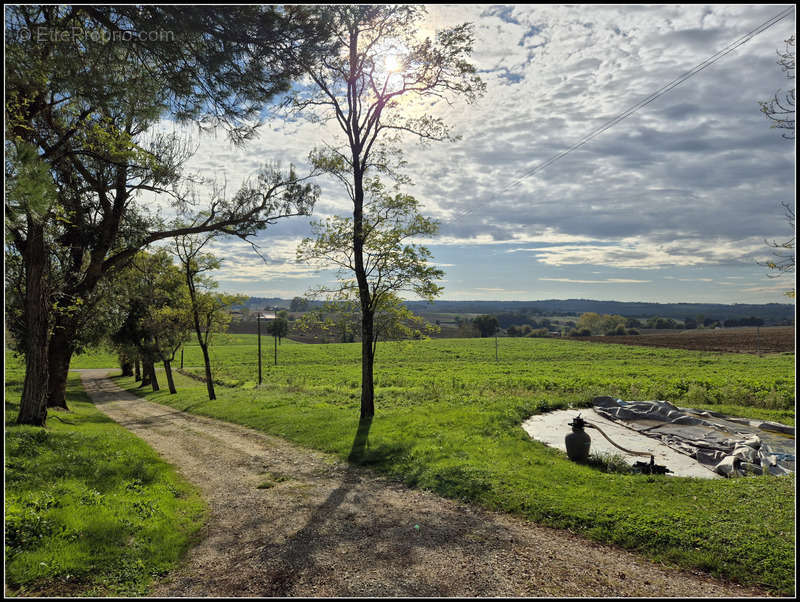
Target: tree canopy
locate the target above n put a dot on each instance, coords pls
(85, 88)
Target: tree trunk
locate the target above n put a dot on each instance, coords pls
(137, 370)
(367, 314)
(170, 381)
(151, 366)
(33, 403)
(59, 356)
(127, 367)
(147, 374)
(209, 380)
(367, 362)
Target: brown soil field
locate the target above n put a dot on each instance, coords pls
(767, 339)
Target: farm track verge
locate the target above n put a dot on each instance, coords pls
(290, 521)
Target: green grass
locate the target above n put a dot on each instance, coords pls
(96, 358)
(90, 509)
(428, 371)
(448, 420)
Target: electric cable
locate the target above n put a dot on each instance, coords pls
(658, 93)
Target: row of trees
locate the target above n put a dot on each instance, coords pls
(160, 305)
(592, 323)
(85, 158)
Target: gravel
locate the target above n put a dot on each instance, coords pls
(289, 521)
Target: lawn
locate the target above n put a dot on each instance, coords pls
(448, 419)
(90, 509)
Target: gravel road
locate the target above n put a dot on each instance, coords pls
(323, 528)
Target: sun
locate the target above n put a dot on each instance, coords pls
(393, 63)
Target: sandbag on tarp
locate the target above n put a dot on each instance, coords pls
(730, 446)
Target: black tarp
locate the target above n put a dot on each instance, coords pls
(728, 445)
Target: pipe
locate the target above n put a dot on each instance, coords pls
(590, 425)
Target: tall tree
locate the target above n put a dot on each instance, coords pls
(86, 103)
(29, 197)
(377, 87)
(209, 309)
(388, 262)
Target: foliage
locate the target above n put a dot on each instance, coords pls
(392, 263)
(29, 187)
(209, 309)
(393, 320)
(378, 85)
(600, 324)
(279, 327)
(299, 304)
(538, 332)
(486, 325)
(781, 108)
(89, 101)
(366, 97)
(155, 300)
(784, 257)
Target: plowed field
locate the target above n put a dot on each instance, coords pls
(771, 339)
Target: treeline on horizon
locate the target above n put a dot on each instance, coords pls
(770, 313)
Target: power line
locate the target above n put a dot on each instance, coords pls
(660, 92)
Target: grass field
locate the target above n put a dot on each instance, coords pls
(448, 419)
(90, 509)
(420, 372)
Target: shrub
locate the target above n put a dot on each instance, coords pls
(539, 332)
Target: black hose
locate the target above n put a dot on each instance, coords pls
(590, 425)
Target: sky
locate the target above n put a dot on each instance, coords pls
(672, 204)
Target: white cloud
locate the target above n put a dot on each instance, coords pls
(606, 281)
(692, 180)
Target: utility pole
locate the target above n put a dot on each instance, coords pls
(258, 321)
(758, 341)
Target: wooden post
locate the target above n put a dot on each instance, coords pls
(276, 350)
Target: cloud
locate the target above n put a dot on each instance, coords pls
(694, 179)
(606, 281)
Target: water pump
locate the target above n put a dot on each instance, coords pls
(578, 441)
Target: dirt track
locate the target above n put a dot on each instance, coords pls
(328, 529)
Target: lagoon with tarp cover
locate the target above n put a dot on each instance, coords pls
(686, 441)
